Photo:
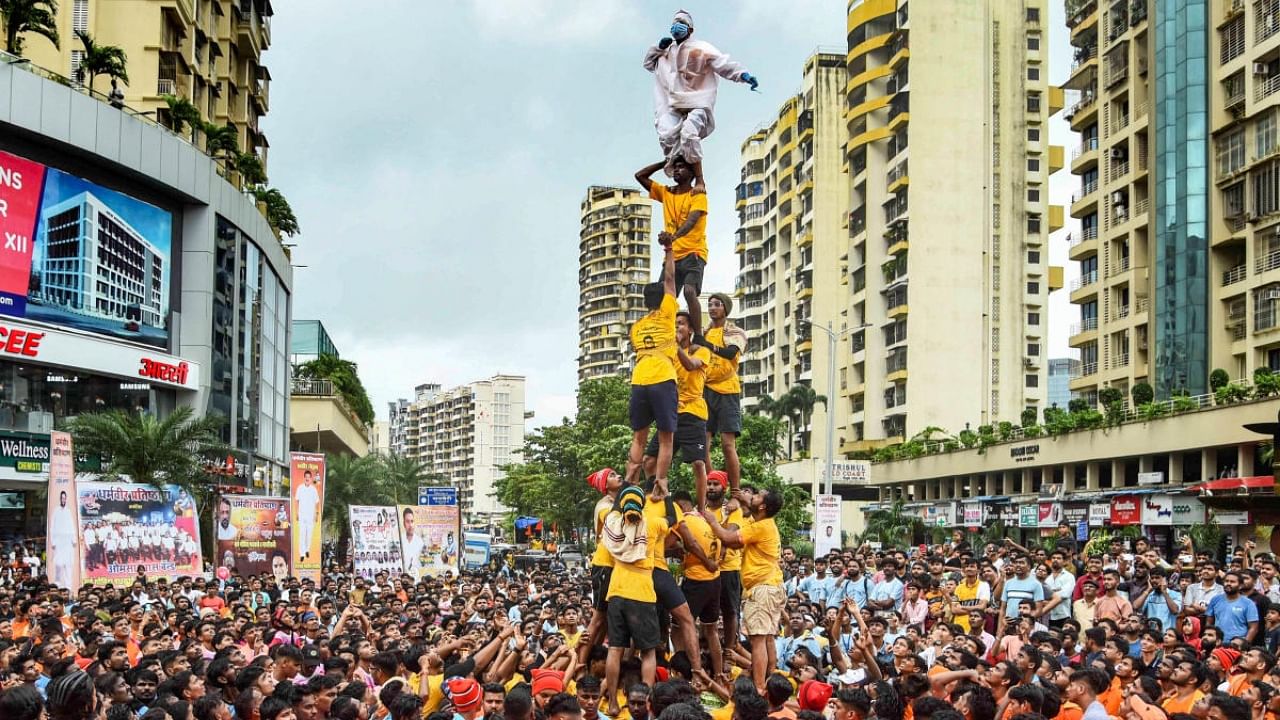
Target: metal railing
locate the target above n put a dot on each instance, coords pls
(1269, 261)
(1084, 191)
(1085, 147)
(1084, 326)
(1265, 87)
(1090, 233)
(1235, 274)
(1085, 280)
(1084, 369)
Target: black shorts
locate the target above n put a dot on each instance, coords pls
(690, 440)
(668, 592)
(652, 404)
(703, 597)
(731, 593)
(724, 412)
(632, 622)
(689, 270)
(600, 576)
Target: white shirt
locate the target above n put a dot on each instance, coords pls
(413, 553)
(308, 498)
(230, 532)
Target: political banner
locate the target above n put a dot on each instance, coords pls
(375, 540)
(826, 525)
(475, 551)
(63, 530)
(126, 526)
(306, 491)
(253, 535)
(429, 539)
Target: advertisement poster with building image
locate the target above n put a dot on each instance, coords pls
(430, 539)
(63, 547)
(375, 540)
(127, 526)
(253, 535)
(82, 256)
(306, 491)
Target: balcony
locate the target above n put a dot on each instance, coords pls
(1265, 20)
(1084, 281)
(1084, 369)
(1084, 326)
(1264, 87)
(1084, 191)
(1267, 262)
(1235, 275)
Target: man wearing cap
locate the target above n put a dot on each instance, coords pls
(731, 564)
(467, 698)
(607, 483)
(685, 75)
(723, 390)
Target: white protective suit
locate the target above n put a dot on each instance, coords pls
(685, 77)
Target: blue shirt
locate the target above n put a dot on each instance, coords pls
(850, 588)
(1232, 617)
(1155, 607)
(815, 588)
(788, 645)
(889, 589)
(1017, 590)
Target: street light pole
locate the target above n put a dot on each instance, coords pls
(832, 339)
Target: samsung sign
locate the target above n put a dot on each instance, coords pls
(24, 342)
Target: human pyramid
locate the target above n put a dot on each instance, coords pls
(685, 382)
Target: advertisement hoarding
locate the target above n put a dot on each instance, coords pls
(1126, 510)
(25, 342)
(375, 540)
(826, 525)
(306, 491)
(429, 539)
(1157, 509)
(81, 256)
(476, 550)
(1187, 511)
(1029, 515)
(1099, 514)
(850, 472)
(253, 535)
(63, 520)
(973, 515)
(124, 526)
(1230, 517)
(1049, 514)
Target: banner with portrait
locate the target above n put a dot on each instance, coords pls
(253, 535)
(429, 539)
(375, 540)
(127, 526)
(306, 491)
(63, 529)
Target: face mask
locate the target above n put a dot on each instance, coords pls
(679, 30)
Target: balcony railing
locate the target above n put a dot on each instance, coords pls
(1084, 369)
(1269, 261)
(1084, 326)
(1121, 360)
(1265, 87)
(1084, 191)
(1235, 274)
(1090, 233)
(1087, 146)
(1085, 280)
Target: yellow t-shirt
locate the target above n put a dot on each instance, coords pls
(653, 337)
(722, 374)
(676, 208)
(761, 554)
(700, 529)
(689, 383)
(658, 545)
(634, 581)
(967, 596)
(732, 556)
(601, 557)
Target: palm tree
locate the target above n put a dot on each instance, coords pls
(801, 400)
(152, 451)
(249, 165)
(779, 408)
(891, 526)
(28, 16)
(221, 140)
(346, 381)
(98, 60)
(182, 114)
(404, 475)
(279, 213)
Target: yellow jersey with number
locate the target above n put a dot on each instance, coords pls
(700, 529)
(653, 337)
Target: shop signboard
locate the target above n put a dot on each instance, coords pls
(973, 515)
(1029, 515)
(1049, 514)
(1157, 509)
(1230, 517)
(1126, 510)
(1187, 511)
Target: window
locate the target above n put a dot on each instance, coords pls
(1233, 200)
(1033, 195)
(1033, 42)
(1232, 41)
(1230, 150)
(1033, 349)
(1033, 103)
(1033, 134)
(1033, 15)
(1033, 73)
(1033, 381)
(1033, 257)
(1264, 130)
(1033, 318)
(80, 16)
(1033, 224)
(1273, 359)
(1033, 287)
(77, 57)
(1033, 164)
(1266, 188)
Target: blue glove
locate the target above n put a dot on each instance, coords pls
(751, 80)
(679, 30)
(665, 43)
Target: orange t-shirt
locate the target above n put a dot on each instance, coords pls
(1112, 698)
(1069, 711)
(1237, 685)
(1177, 705)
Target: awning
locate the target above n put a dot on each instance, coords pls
(1238, 484)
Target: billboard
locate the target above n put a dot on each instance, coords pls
(124, 526)
(81, 256)
(375, 540)
(429, 539)
(437, 495)
(826, 525)
(306, 491)
(476, 550)
(253, 535)
(63, 520)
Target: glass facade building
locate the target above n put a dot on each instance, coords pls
(309, 340)
(1180, 268)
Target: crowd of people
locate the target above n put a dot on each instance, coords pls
(705, 622)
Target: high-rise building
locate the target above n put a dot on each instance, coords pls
(398, 425)
(207, 51)
(954, 110)
(791, 243)
(467, 434)
(1061, 370)
(613, 266)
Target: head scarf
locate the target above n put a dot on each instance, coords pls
(683, 16)
(599, 479)
(718, 476)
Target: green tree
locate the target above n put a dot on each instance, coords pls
(345, 377)
(402, 476)
(154, 451)
(221, 140)
(249, 165)
(892, 526)
(801, 401)
(182, 114)
(106, 60)
(279, 213)
(350, 480)
(20, 17)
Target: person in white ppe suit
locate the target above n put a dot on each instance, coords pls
(686, 73)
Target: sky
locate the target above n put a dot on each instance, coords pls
(436, 155)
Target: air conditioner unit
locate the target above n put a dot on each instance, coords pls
(1261, 69)
(1121, 212)
(1118, 153)
(1271, 293)
(1118, 198)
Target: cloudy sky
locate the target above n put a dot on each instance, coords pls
(436, 154)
